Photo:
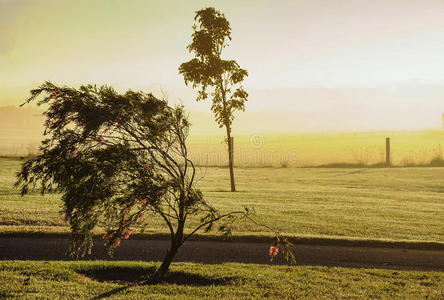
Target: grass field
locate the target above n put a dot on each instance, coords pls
(119, 280)
(311, 149)
(367, 203)
(314, 149)
(360, 203)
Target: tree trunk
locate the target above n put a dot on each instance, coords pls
(230, 158)
(176, 242)
(163, 269)
(227, 123)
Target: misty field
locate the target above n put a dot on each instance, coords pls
(408, 148)
(366, 203)
(315, 149)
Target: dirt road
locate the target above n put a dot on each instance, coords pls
(13, 248)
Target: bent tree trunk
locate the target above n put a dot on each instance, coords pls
(176, 242)
(230, 158)
(163, 269)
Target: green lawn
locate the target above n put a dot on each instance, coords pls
(121, 280)
(392, 204)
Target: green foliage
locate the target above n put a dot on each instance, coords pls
(213, 76)
(116, 159)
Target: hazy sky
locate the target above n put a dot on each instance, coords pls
(283, 44)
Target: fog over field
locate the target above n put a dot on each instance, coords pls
(292, 112)
(289, 110)
(314, 67)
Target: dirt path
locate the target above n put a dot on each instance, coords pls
(12, 248)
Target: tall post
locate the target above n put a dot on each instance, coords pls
(387, 152)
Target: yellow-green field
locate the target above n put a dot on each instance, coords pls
(407, 148)
(366, 203)
(311, 149)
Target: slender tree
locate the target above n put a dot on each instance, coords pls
(215, 77)
(117, 158)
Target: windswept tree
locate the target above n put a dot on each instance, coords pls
(118, 159)
(215, 77)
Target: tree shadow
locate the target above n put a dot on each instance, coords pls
(115, 274)
(226, 191)
(190, 279)
(112, 292)
(138, 276)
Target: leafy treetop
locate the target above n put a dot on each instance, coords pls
(214, 76)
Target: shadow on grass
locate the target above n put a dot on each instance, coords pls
(112, 292)
(184, 278)
(123, 275)
(140, 275)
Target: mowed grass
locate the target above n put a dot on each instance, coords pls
(122, 280)
(389, 204)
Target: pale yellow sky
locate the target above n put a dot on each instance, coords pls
(283, 44)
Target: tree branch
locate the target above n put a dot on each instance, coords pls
(212, 221)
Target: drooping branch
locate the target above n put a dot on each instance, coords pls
(212, 221)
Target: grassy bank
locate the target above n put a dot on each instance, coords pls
(74, 280)
(390, 204)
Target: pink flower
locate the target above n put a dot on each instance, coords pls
(55, 105)
(273, 251)
(143, 201)
(117, 243)
(126, 235)
(141, 217)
